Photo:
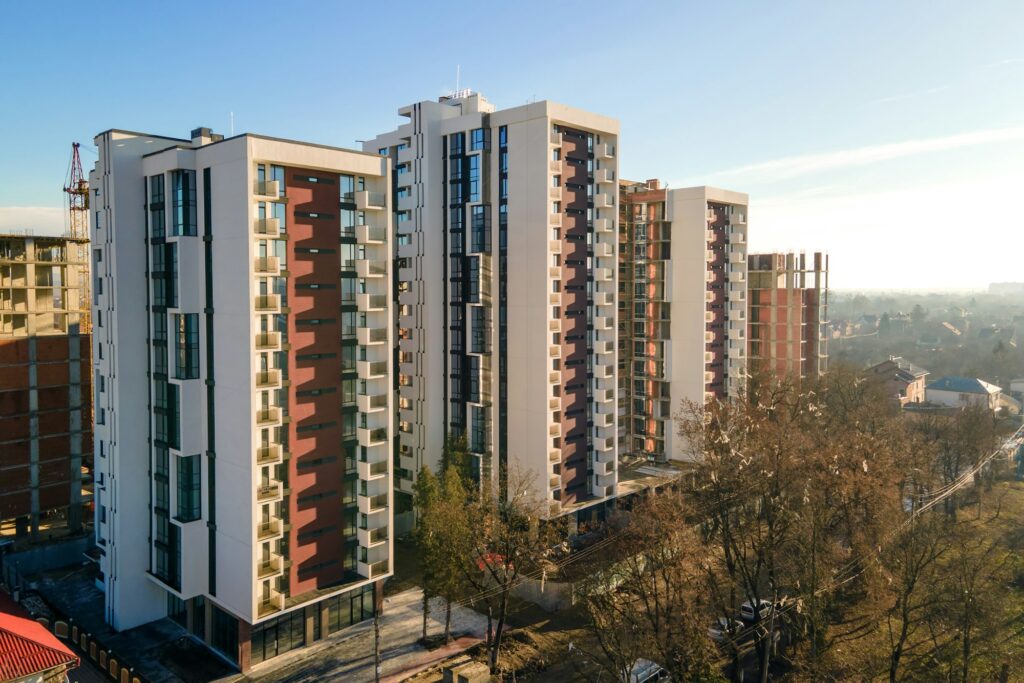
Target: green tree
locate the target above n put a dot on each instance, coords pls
(456, 454)
(426, 492)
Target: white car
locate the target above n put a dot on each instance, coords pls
(724, 628)
(763, 612)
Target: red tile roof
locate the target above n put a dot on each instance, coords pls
(27, 647)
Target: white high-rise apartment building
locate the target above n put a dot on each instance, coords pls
(506, 235)
(683, 318)
(243, 369)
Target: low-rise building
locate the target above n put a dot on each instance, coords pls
(963, 392)
(903, 382)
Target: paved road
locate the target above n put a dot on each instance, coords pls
(348, 656)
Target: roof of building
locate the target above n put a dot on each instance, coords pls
(904, 369)
(27, 647)
(964, 385)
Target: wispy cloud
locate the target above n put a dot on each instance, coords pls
(908, 95)
(791, 167)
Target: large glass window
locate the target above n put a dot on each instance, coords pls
(480, 138)
(480, 236)
(183, 202)
(474, 178)
(188, 488)
(186, 346)
(157, 215)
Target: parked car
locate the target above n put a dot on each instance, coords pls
(724, 628)
(646, 671)
(764, 610)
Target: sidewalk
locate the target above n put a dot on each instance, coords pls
(349, 655)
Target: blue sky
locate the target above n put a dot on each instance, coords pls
(891, 134)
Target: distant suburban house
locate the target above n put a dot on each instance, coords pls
(902, 381)
(29, 653)
(962, 392)
(929, 341)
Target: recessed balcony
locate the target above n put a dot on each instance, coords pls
(268, 227)
(268, 379)
(369, 538)
(555, 325)
(268, 491)
(372, 437)
(371, 335)
(270, 566)
(554, 429)
(267, 188)
(268, 265)
(268, 303)
(373, 201)
(555, 165)
(370, 269)
(269, 529)
(371, 234)
(274, 602)
(738, 219)
(604, 175)
(555, 138)
(372, 302)
(268, 341)
(372, 570)
(555, 298)
(371, 504)
(268, 455)
(555, 220)
(371, 403)
(555, 455)
(268, 416)
(601, 274)
(555, 351)
(372, 470)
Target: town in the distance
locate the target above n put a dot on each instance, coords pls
(465, 404)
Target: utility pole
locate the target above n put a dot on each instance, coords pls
(768, 640)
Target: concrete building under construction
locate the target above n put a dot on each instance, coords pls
(45, 385)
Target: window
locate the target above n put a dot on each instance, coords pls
(474, 178)
(503, 136)
(186, 346)
(157, 217)
(188, 489)
(183, 202)
(480, 139)
(480, 238)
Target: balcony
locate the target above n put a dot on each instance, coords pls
(605, 151)
(602, 322)
(555, 298)
(737, 276)
(268, 303)
(268, 416)
(603, 299)
(604, 201)
(737, 256)
(371, 403)
(604, 226)
(737, 236)
(555, 455)
(369, 538)
(374, 201)
(603, 250)
(554, 429)
(372, 437)
(555, 192)
(268, 379)
(555, 325)
(555, 272)
(555, 481)
(555, 165)
(555, 403)
(602, 274)
(554, 377)
(556, 138)
(268, 455)
(738, 219)
(273, 603)
(371, 335)
(369, 504)
(268, 492)
(268, 227)
(270, 566)
(372, 302)
(372, 369)
(268, 341)
(372, 470)
(604, 175)
(555, 220)
(268, 265)
(267, 188)
(373, 570)
(269, 529)
(370, 269)
(371, 234)
(555, 351)
(555, 246)
(602, 346)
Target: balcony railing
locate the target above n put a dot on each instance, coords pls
(268, 341)
(273, 603)
(370, 200)
(269, 567)
(268, 227)
(269, 529)
(271, 491)
(268, 415)
(368, 268)
(372, 302)
(268, 188)
(268, 264)
(268, 302)
(379, 568)
(371, 335)
(268, 455)
(268, 379)
(367, 234)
